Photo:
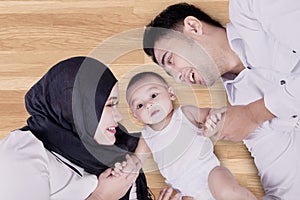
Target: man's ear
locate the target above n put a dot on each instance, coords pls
(172, 93)
(192, 25)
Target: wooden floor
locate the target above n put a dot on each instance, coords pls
(34, 35)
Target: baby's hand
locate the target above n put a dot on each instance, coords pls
(214, 123)
(118, 168)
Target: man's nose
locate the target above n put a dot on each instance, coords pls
(177, 75)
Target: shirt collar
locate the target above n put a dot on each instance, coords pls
(236, 43)
(231, 33)
(78, 170)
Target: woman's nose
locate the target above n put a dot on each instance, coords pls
(117, 115)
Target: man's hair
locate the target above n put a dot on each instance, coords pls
(172, 19)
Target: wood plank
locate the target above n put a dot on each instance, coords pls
(36, 34)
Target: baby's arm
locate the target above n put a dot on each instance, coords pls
(208, 119)
(142, 151)
(223, 185)
(195, 114)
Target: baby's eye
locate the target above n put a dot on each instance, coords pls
(139, 106)
(154, 95)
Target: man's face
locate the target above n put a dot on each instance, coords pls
(185, 60)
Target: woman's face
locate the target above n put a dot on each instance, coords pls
(106, 130)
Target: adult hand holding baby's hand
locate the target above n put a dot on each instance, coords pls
(118, 168)
(214, 123)
(111, 187)
(236, 122)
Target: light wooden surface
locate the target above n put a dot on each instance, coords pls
(34, 35)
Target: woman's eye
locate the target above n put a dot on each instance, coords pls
(112, 104)
(139, 106)
(154, 95)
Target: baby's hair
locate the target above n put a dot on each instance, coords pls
(142, 75)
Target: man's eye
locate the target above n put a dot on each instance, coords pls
(169, 74)
(170, 60)
(139, 106)
(154, 95)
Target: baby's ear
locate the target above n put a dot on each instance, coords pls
(172, 93)
(133, 114)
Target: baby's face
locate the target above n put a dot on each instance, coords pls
(150, 100)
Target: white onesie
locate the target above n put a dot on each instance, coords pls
(184, 157)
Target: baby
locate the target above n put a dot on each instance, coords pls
(175, 138)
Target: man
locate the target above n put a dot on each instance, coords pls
(257, 57)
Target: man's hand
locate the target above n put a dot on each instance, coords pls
(214, 123)
(239, 121)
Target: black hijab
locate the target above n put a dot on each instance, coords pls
(65, 107)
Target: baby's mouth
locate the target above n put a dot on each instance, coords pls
(154, 112)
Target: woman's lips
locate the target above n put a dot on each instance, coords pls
(112, 130)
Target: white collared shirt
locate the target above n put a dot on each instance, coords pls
(266, 36)
(29, 171)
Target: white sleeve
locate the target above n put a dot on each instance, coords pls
(23, 168)
(284, 100)
(278, 18)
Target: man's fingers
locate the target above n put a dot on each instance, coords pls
(214, 124)
(213, 118)
(219, 116)
(210, 124)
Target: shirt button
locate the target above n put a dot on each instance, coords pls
(294, 51)
(294, 116)
(282, 82)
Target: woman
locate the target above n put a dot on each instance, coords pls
(71, 139)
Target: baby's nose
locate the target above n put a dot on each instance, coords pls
(149, 105)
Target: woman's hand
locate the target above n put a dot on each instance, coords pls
(114, 187)
(166, 194)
